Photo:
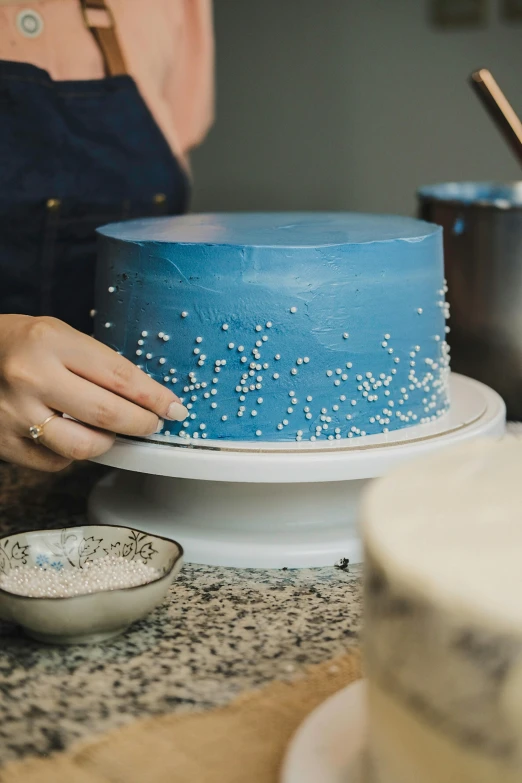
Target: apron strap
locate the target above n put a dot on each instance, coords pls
(105, 36)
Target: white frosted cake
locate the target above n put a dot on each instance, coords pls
(443, 594)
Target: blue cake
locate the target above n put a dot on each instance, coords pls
(283, 326)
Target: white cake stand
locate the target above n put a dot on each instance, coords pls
(328, 745)
(272, 505)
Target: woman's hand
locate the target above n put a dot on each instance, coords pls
(47, 367)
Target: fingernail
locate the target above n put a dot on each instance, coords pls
(160, 426)
(177, 412)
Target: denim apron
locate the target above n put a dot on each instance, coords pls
(74, 155)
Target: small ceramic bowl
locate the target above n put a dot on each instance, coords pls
(96, 617)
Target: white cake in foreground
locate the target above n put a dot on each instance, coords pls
(443, 643)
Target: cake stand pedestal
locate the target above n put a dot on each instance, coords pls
(272, 505)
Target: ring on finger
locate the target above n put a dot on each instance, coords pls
(37, 430)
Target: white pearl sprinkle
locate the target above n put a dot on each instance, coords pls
(225, 327)
(108, 325)
(139, 352)
(258, 433)
(293, 371)
(240, 348)
(309, 398)
(259, 400)
(329, 373)
(161, 361)
(269, 324)
(231, 345)
(420, 310)
(109, 572)
(293, 309)
(277, 356)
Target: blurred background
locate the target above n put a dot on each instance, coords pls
(352, 104)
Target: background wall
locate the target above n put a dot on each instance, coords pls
(349, 104)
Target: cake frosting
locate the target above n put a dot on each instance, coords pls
(443, 598)
(279, 327)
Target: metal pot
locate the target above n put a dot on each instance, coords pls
(482, 225)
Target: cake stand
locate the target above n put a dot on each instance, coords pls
(329, 744)
(272, 505)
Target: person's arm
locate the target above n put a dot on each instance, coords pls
(46, 367)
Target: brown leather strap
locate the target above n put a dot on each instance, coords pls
(99, 19)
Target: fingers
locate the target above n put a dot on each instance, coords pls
(72, 440)
(97, 363)
(32, 455)
(98, 407)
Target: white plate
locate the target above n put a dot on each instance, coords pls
(327, 746)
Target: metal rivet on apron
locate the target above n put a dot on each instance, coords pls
(29, 23)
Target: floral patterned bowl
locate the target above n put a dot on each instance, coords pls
(96, 617)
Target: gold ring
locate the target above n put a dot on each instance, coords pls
(37, 430)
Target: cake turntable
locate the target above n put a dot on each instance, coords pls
(272, 504)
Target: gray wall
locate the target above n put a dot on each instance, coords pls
(348, 104)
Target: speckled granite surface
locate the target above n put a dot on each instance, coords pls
(220, 632)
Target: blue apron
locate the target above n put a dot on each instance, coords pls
(74, 155)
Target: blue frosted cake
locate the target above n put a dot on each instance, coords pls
(284, 326)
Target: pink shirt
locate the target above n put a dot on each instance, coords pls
(167, 44)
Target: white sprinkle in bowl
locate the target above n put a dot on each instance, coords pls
(97, 616)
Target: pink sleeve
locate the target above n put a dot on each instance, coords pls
(192, 95)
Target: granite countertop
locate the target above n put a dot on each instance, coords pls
(221, 631)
